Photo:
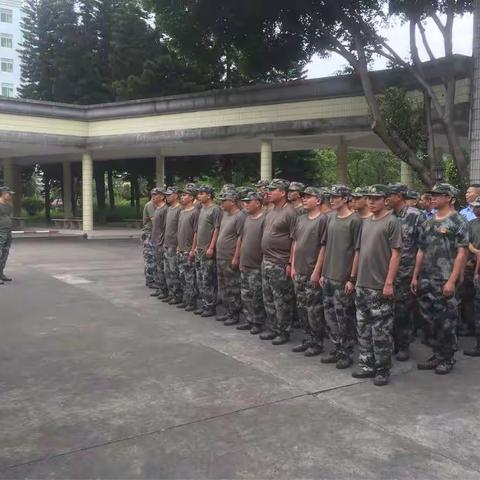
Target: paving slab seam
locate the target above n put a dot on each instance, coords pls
(399, 435)
(151, 432)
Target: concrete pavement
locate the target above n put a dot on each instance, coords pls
(98, 379)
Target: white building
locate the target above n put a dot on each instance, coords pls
(10, 40)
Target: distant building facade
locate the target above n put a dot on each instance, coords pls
(10, 40)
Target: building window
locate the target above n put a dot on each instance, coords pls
(6, 15)
(7, 90)
(6, 40)
(7, 65)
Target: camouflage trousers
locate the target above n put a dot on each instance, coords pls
(252, 297)
(374, 327)
(278, 297)
(477, 310)
(187, 275)
(339, 311)
(171, 274)
(310, 309)
(404, 306)
(466, 295)
(5, 243)
(440, 315)
(206, 280)
(160, 279)
(229, 283)
(149, 261)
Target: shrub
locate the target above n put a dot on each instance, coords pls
(32, 205)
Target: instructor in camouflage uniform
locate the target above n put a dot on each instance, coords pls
(278, 294)
(441, 257)
(411, 220)
(5, 230)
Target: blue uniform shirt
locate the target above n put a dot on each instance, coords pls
(467, 212)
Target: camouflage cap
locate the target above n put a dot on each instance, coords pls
(228, 186)
(313, 192)
(229, 195)
(171, 190)
(400, 188)
(252, 196)
(340, 191)
(191, 186)
(360, 192)
(6, 189)
(412, 195)
(206, 188)
(443, 189)
(189, 191)
(262, 184)
(157, 191)
(242, 191)
(296, 187)
(279, 183)
(476, 202)
(378, 190)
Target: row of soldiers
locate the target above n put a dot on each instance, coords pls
(350, 265)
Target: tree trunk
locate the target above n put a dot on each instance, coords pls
(46, 181)
(137, 194)
(132, 190)
(99, 175)
(111, 193)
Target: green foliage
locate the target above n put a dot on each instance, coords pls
(32, 205)
(370, 167)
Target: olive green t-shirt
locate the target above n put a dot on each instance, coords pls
(378, 239)
(171, 226)
(158, 225)
(6, 223)
(208, 220)
(278, 234)
(341, 240)
(148, 213)
(308, 241)
(231, 229)
(187, 224)
(251, 249)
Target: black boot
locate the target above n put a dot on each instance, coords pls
(475, 351)
(4, 278)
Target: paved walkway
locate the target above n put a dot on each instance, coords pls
(98, 379)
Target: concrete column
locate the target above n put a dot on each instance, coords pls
(67, 190)
(12, 179)
(406, 175)
(266, 160)
(475, 115)
(87, 192)
(160, 170)
(342, 162)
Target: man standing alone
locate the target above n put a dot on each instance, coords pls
(5, 230)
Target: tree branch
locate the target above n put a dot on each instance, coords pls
(437, 21)
(425, 41)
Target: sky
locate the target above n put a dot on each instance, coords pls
(397, 36)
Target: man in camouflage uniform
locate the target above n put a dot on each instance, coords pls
(150, 262)
(207, 234)
(295, 191)
(278, 294)
(380, 247)
(157, 239)
(306, 268)
(441, 257)
(187, 225)
(474, 247)
(5, 230)
(175, 290)
(250, 264)
(411, 220)
(228, 256)
(341, 244)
